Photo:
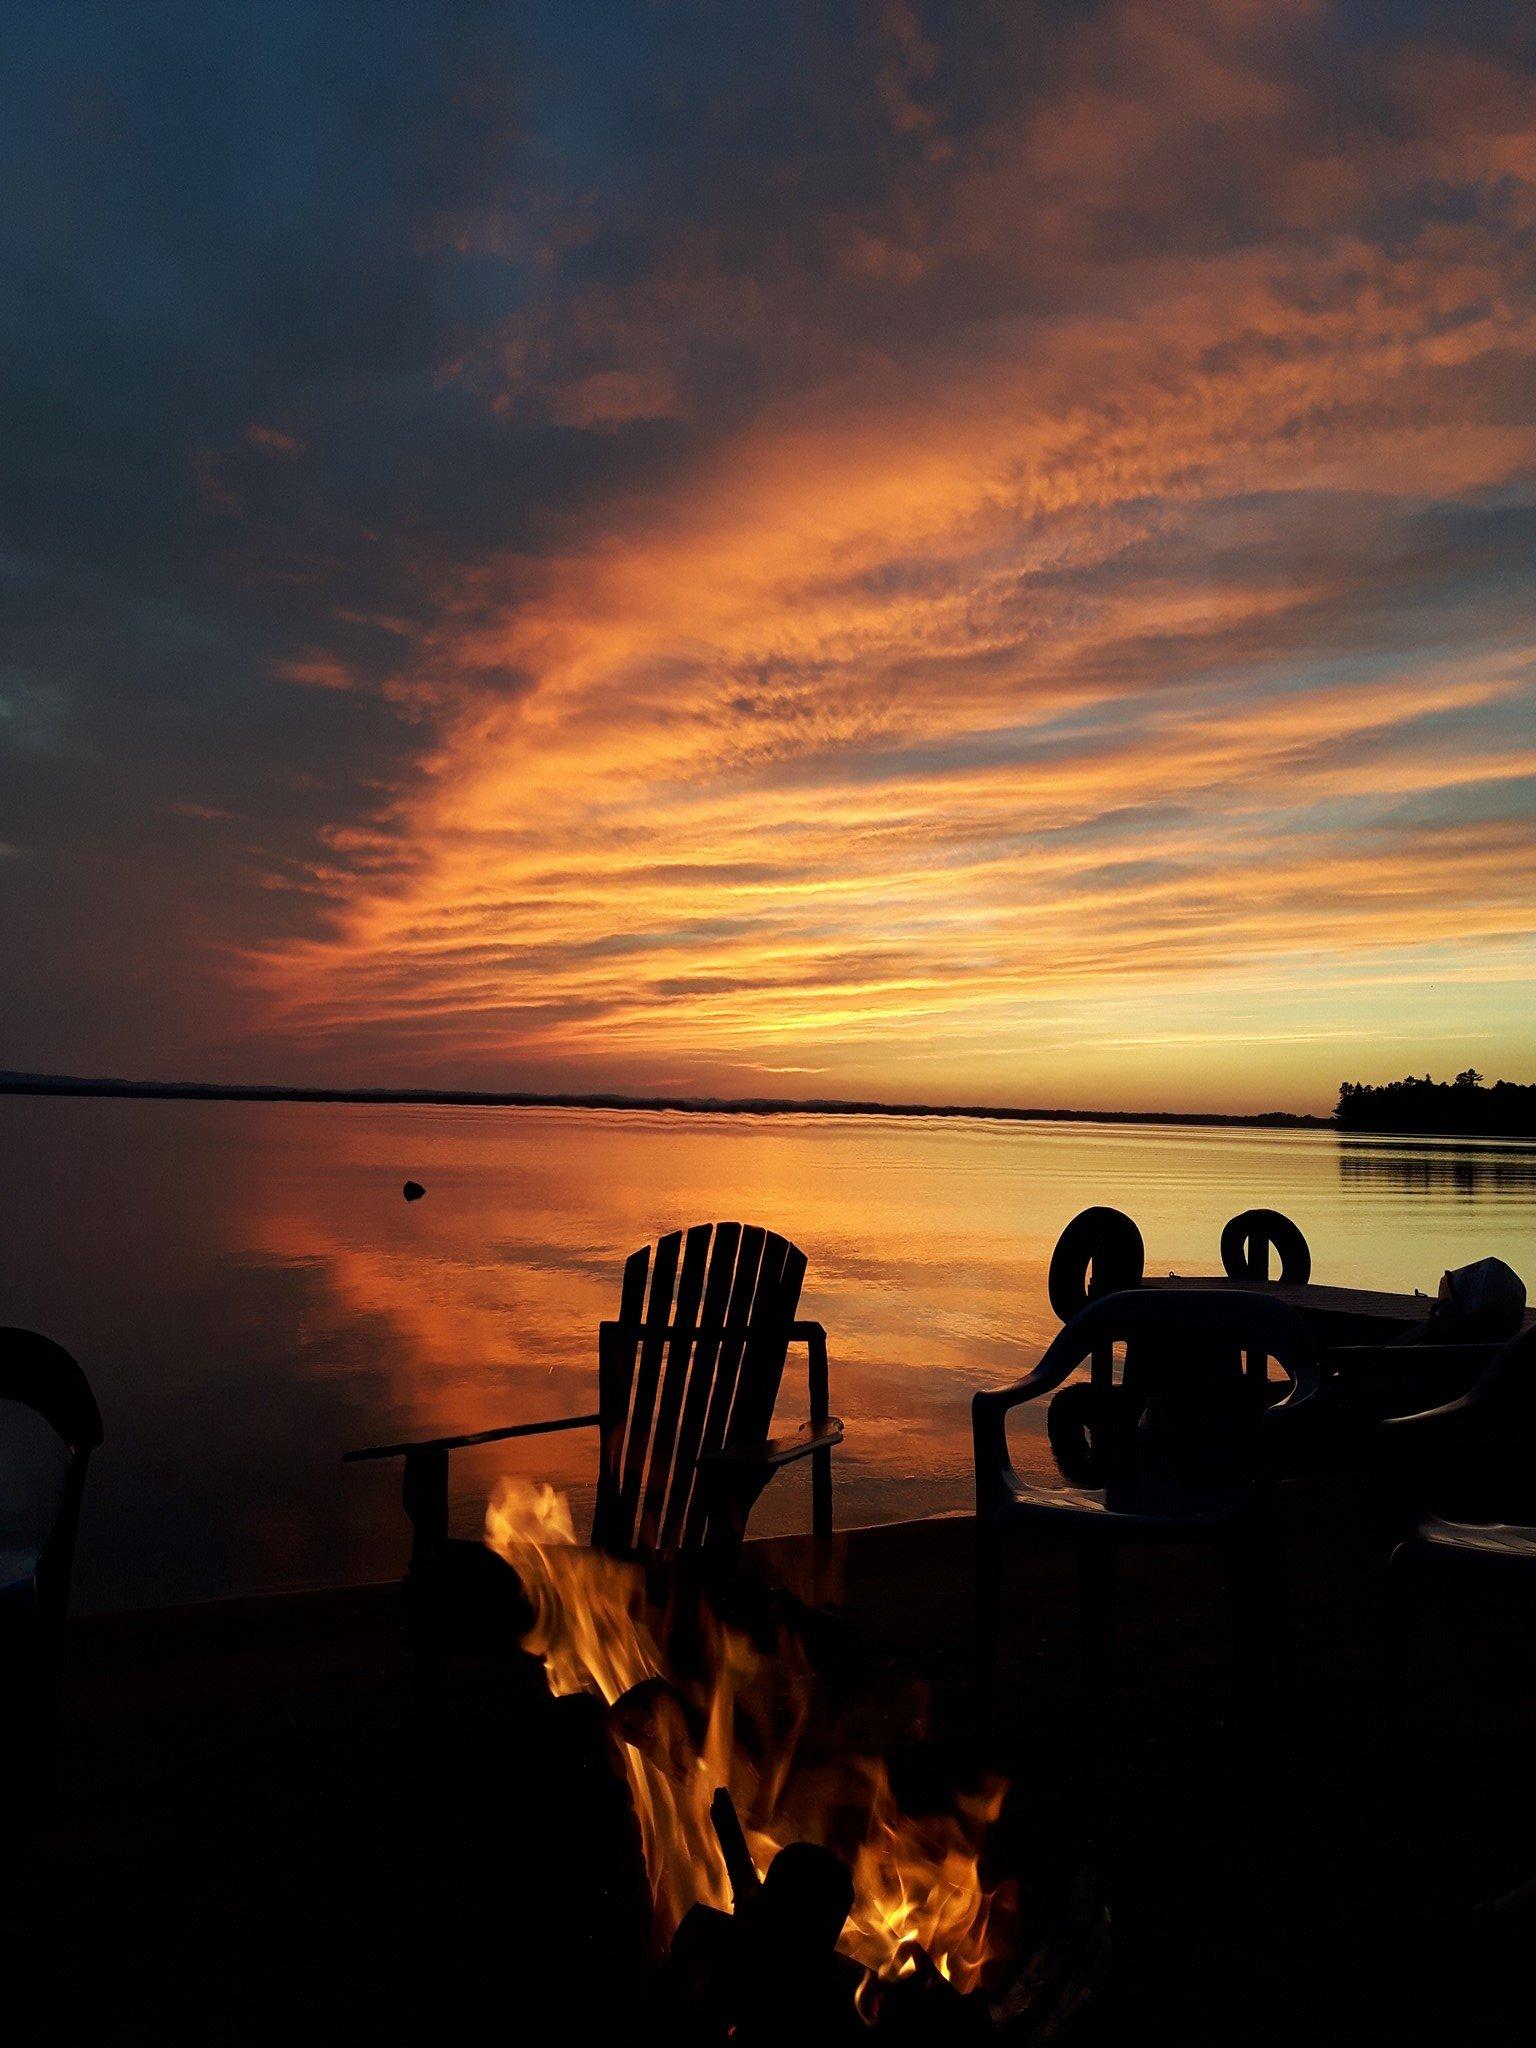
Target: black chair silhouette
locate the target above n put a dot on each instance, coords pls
(1429, 1367)
(688, 1378)
(1460, 1479)
(1458, 1483)
(1177, 1450)
(37, 1544)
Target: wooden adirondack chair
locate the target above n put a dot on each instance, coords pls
(688, 1375)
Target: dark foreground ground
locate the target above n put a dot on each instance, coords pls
(248, 1843)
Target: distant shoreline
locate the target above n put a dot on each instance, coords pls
(695, 1105)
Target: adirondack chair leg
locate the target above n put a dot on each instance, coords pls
(821, 1461)
(821, 1506)
(424, 1493)
(734, 1496)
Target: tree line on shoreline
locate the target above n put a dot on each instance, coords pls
(1465, 1107)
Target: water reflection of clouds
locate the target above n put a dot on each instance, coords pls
(251, 1297)
(1438, 1167)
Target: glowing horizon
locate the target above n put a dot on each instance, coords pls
(990, 564)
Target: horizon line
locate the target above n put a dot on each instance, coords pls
(23, 1083)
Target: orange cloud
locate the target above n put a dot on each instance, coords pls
(1100, 645)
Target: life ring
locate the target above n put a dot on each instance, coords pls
(1069, 1423)
(1083, 1423)
(1103, 1243)
(1246, 1241)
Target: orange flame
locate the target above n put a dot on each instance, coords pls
(738, 1719)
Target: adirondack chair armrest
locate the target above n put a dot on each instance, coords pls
(424, 1490)
(777, 1451)
(425, 1447)
(799, 1333)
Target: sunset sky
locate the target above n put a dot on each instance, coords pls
(973, 552)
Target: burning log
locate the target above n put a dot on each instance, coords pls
(805, 1900)
(769, 1972)
(921, 2006)
(739, 1867)
(656, 1719)
(461, 1596)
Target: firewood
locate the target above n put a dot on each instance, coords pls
(654, 1718)
(739, 1867)
(806, 1897)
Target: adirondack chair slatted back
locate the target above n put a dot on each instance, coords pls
(692, 1366)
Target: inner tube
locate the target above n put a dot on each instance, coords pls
(1099, 1252)
(1246, 1241)
(1073, 1420)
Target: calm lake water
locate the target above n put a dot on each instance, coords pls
(251, 1296)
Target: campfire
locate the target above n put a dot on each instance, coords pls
(728, 1766)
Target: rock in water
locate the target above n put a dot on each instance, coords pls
(413, 1191)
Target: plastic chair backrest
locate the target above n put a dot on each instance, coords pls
(1473, 1458)
(42, 1376)
(1160, 1329)
(1183, 1431)
(38, 1374)
(1507, 1386)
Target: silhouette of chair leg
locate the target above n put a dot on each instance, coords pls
(1176, 1450)
(1263, 1651)
(989, 1588)
(1097, 1563)
(1097, 1573)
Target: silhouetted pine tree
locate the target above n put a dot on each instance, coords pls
(1463, 1107)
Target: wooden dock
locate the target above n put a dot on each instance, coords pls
(1347, 1314)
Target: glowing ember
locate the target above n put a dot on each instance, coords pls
(737, 1716)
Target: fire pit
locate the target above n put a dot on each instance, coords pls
(773, 1969)
(789, 1888)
